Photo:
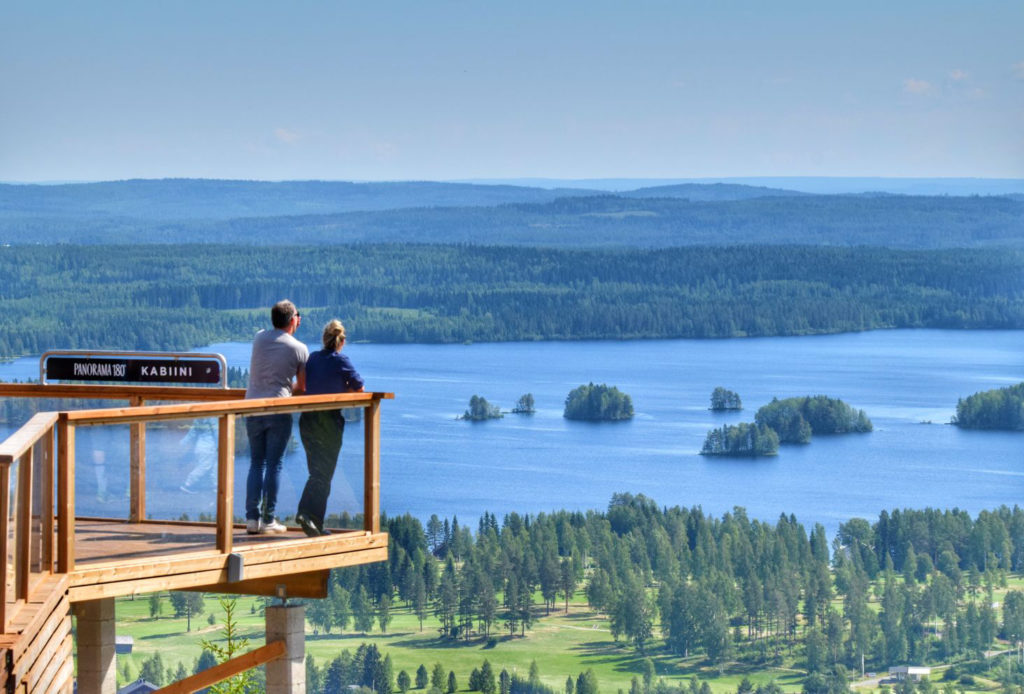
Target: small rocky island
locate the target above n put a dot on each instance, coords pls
(524, 405)
(480, 410)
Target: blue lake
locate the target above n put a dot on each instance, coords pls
(908, 382)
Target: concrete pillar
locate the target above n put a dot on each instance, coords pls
(97, 663)
(287, 674)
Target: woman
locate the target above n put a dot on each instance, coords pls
(327, 371)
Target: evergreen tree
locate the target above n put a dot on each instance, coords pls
(152, 669)
(362, 610)
(232, 645)
(384, 613)
(437, 677)
(314, 675)
(487, 685)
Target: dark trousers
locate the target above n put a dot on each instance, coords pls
(321, 434)
(268, 439)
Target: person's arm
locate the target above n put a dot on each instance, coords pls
(300, 372)
(349, 376)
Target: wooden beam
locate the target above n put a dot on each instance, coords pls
(229, 668)
(54, 670)
(254, 554)
(255, 406)
(137, 475)
(196, 579)
(65, 495)
(5, 532)
(46, 503)
(47, 619)
(45, 639)
(23, 528)
(225, 481)
(24, 438)
(312, 584)
(371, 468)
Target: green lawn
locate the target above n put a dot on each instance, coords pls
(562, 644)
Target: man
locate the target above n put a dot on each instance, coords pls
(277, 358)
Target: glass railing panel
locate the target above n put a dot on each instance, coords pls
(10, 540)
(102, 471)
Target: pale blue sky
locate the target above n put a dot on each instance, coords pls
(454, 90)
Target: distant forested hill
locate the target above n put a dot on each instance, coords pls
(708, 192)
(181, 296)
(190, 199)
(587, 221)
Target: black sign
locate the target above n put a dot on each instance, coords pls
(132, 369)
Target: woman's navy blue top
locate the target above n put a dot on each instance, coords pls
(331, 372)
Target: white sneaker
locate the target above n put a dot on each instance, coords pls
(254, 526)
(273, 526)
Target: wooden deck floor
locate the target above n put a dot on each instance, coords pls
(114, 558)
(110, 540)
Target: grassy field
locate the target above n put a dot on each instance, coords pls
(563, 644)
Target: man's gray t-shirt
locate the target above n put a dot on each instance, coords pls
(276, 358)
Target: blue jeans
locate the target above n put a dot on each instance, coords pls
(268, 438)
(321, 433)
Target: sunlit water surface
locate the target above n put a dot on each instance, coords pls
(907, 381)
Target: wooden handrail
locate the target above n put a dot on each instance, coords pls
(18, 455)
(26, 437)
(256, 406)
(229, 668)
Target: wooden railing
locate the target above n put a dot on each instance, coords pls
(27, 508)
(26, 512)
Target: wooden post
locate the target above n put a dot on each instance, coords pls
(137, 448)
(65, 495)
(23, 528)
(225, 481)
(46, 502)
(371, 467)
(5, 533)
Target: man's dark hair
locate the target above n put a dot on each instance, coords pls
(282, 313)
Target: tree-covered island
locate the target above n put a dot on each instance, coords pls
(741, 441)
(524, 405)
(725, 400)
(480, 410)
(796, 419)
(598, 403)
(999, 409)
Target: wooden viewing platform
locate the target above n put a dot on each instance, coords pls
(56, 562)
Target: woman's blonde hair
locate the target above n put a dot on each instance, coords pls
(334, 335)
